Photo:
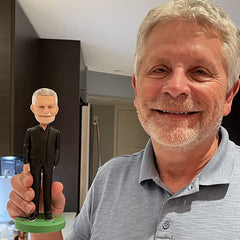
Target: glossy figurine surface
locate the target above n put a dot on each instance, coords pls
(42, 148)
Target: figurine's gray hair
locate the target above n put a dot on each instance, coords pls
(204, 13)
(44, 92)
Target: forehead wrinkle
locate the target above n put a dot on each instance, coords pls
(162, 55)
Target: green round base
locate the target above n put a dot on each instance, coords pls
(40, 225)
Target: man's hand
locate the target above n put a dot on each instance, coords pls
(20, 199)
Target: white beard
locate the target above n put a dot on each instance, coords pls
(178, 136)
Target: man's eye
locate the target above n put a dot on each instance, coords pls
(159, 70)
(200, 72)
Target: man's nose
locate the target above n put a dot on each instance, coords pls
(46, 110)
(177, 84)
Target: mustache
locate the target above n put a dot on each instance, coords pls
(166, 101)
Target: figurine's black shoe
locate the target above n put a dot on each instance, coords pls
(33, 217)
(48, 216)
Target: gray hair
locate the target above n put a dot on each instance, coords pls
(44, 92)
(204, 13)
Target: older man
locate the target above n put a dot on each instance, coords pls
(185, 183)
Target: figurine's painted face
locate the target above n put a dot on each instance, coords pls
(45, 110)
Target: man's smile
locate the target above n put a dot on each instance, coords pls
(175, 112)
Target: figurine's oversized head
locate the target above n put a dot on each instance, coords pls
(44, 106)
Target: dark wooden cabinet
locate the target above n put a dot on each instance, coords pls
(5, 75)
(25, 77)
(61, 66)
(18, 66)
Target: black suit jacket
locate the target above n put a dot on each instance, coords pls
(32, 146)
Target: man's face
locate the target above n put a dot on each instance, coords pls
(45, 109)
(181, 91)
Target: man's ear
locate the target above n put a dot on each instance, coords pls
(32, 108)
(134, 84)
(229, 97)
(57, 110)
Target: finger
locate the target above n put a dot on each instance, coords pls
(27, 207)
(14, 211)
(58, 206)
(21, 184)
(57, 188)
(58, 199)
(26, 179)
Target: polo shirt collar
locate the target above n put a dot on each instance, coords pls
(218, 170)
(148, 168)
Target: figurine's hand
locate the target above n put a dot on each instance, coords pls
(26, 169)
(20, 198)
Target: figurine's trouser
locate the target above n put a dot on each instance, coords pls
(47, 184)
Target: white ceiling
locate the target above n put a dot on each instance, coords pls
(106, 28)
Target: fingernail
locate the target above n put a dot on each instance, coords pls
(28, 195)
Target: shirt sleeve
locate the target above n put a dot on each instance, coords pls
(81, 229)
(85, 221)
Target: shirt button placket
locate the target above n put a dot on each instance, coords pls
(163, 234)
(163, 231)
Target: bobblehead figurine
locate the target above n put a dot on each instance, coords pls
(42, 148)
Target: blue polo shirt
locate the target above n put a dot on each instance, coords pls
(128, 200)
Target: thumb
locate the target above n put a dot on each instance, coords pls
(58, 199)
